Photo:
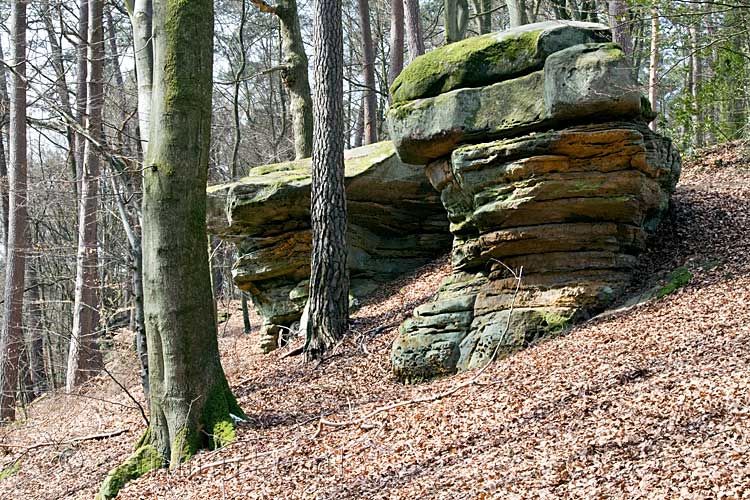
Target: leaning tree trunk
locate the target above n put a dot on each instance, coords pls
(368, 69)
(191, 405)
(413, 21)
(329, 278)
(11, 335)
(84, 356)
(397, 40)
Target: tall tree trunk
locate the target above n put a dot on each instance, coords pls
(35, 340)
(329, 277)
(368, 70)
(294, 73)
(695, 70)
(397, 40)
(236, 96)
(11, 335)
(414, 37)
(84, 356)
(81, 89)
(619, 20)
(517, 12)
(653, 93)
(61, 88)
(190, 398)
(141, 20)
(483, 10)
(4, 127)
(456, 20)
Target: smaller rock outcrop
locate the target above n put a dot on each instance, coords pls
(396, 224)
(550, 168)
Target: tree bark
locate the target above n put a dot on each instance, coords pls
(456, 20)
(329, 278)
(81, 89)
(397, 40)
(653, 94)
(4, 127)
(517, 12)
(84, 356)
(11, 335)
(35, 340)
(483, 10)
(368, 70)
(695, 70)
(414, 37)
(190, 399)
(619, 20)
(141, 20)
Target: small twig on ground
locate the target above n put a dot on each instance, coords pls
(434, 397)
(132, 398)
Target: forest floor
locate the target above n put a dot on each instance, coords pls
(651, 402)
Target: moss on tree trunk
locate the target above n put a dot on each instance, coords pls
(191, 404)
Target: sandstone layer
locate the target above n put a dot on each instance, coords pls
(553, 176)
(396, 224)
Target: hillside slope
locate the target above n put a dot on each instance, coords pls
(649, 402)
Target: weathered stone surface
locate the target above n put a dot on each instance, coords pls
(396, 223)
(571, 207)
(590, 82)
(491, 58)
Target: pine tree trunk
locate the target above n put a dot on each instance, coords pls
(4, 127)
(329, 279)
(619, 20)
(84, 356)
(368, 70)
(11, 335)
(190, 399)
(397, 40)
(413, 21)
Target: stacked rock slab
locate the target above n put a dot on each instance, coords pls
(396, 224)
(539, 147)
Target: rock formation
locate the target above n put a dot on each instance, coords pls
(537, 140)
(396, 224)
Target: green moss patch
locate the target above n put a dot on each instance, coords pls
(10, 470)
(677, 279)
(145, 459)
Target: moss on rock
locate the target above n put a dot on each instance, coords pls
(677, 279)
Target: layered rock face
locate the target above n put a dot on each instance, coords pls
(546, 165)
(396, 223)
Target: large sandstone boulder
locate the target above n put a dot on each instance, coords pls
(553, 172)
(396, 223)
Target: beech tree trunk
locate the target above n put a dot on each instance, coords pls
(84, 356)
(11, 335)
(81, 89)
(483, 10)
(517, 12)
(397, 40)
(413, 21)
(456, 20)
(141, 20)
(190, 399)
(294, 73)
(695, 70)
(368, 70)
(328, 310)
(653, 94)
